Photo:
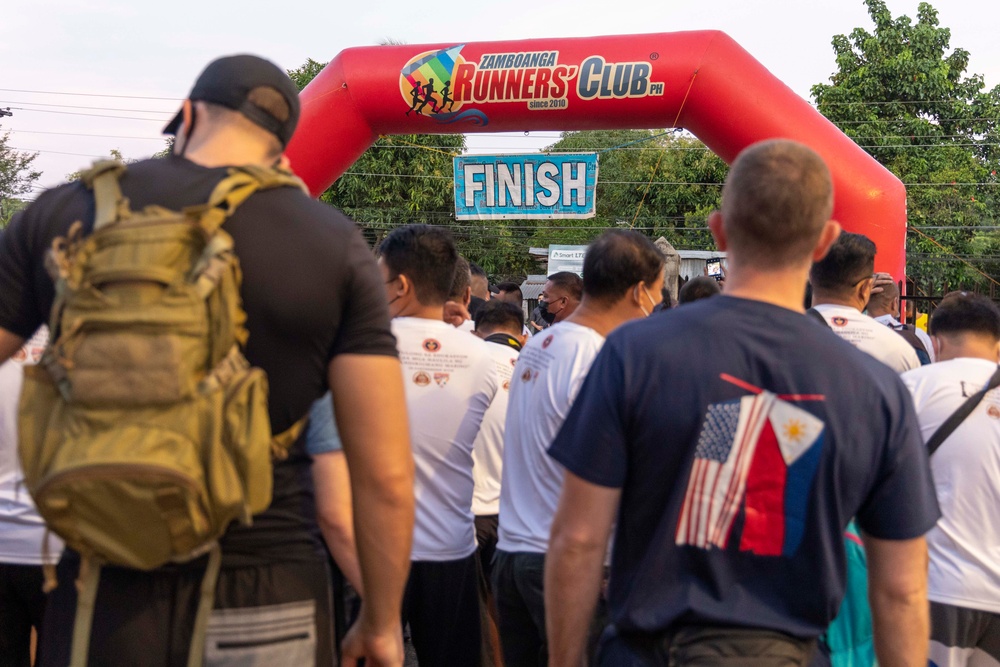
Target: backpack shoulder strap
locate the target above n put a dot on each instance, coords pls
(959, 416)
(102, 178)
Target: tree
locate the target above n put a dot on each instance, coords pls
(17, 178)
(409, 179)
(903, 97)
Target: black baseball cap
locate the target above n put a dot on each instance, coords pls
(229, 80)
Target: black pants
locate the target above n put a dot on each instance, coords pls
(962, 636)
(706, 647)
(518, 587)
(264, 614)
(441, 604)
(22, 605)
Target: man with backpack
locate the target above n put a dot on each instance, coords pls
(160, 344)
(883, 307)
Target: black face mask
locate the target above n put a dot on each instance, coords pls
(547, 315)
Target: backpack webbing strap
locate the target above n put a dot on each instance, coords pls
(959, 416)
(196, 653)
(90, 576)
(281, 443)
(102, 178)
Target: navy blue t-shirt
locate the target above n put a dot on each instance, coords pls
(744, 437)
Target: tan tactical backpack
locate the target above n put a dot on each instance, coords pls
(144, 432)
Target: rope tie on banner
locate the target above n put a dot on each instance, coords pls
(656, 168)
(954, 256)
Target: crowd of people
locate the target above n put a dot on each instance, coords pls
(627, 484)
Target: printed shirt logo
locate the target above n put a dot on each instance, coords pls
(431, 345)
(757, 456)
(421, 379)
(840, 321)
(547, 342)
(526, 375)
(993, 411)
(442, 378)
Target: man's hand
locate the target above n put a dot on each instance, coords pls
(455, 313)
(881, 280)
(379, 649)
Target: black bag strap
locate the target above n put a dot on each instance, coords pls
(959, 416)
(818, 316)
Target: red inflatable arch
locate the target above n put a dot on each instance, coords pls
(702, 81)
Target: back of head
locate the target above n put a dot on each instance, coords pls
(966, 313)
(460, 281)
(777, 198)
(426, 256)
(480, 281)
(850, 260)
(497, 316)
(699, 287)
(569, 283)
(510, 292)
(616, 261)
(884, 302)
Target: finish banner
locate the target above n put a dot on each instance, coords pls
(535, 186)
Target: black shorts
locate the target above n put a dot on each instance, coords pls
(263, 615)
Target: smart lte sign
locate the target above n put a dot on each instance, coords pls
(497, 187)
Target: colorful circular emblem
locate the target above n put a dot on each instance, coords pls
(840, 321)
(547, 341)
(426, 82)
(993, 411)
(513, 362)
(506, 385)
(431, 345)
(421, 379)
(526, 375)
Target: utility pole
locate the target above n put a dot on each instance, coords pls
(6, 112)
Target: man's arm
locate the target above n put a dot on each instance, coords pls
(9, 344)
(371, 415)
(897, 592)
(335, 512)
(574, 566)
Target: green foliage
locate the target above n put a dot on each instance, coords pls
(16, 178)
(902, 96)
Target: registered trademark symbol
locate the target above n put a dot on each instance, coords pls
(654, 55)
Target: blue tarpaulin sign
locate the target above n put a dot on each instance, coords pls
(495, 187)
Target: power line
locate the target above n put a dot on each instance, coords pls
(37, 150)
(97, 115)
(77, 106)
(51, 92)
(81, 134)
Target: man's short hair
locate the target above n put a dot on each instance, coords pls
(497, 315)
(617, 260)
(777, 198)
(426, 256)
(477, 270)
(510, 288)
(461, 279)
(568, 282)
(966, 313)
(882, 301)
(699, 287)
(850, 260)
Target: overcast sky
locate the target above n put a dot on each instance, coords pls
(133, 48)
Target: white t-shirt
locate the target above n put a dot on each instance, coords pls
(21, 528)
(547, 378)
(965, 544)
(869, 336)
(487, 453)
(450, 381)
(890, 321)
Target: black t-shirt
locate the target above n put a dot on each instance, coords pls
(311, 291)
(744, 438)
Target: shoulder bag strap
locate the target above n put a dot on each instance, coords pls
(959, 416)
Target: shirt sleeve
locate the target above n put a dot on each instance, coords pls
(592, 441)
(365, 321)
(902, 503)
(322, 435)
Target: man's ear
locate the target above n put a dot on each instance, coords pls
(405, 288)
(467, 299)
(827, 237)
(718, 233)
(863, 290)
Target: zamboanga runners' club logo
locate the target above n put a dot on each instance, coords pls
(431, 345)
(421, 379)
(440, 83)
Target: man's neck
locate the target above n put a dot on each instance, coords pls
(968, 347)
(600, 317)
(785, 288)
(225, 148)
(422, 312)
(821, 297)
